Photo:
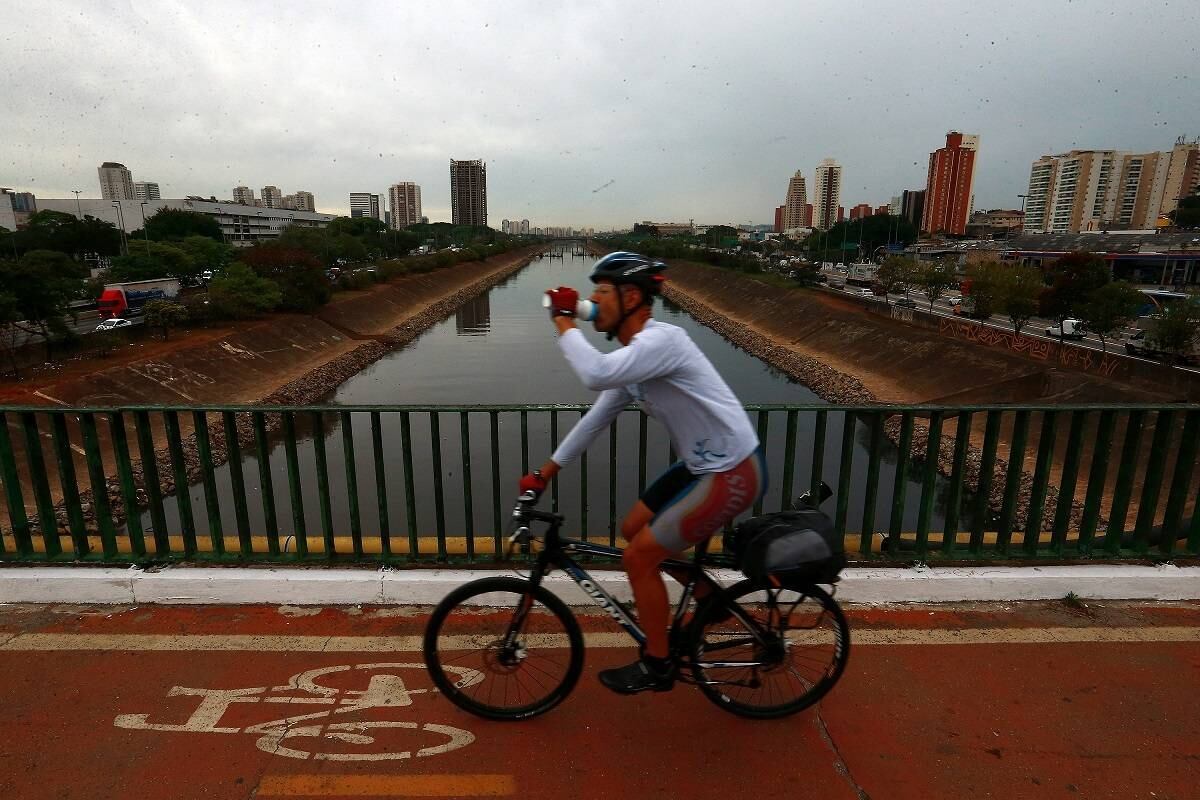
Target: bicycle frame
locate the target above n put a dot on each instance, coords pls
(556, 553)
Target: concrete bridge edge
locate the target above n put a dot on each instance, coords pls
(386, 586)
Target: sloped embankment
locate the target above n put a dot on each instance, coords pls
(848, 356)
(286, 360)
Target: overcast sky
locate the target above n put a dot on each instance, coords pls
(600, 114)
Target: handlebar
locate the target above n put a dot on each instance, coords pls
(523, 513)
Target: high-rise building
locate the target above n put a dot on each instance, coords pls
(505, 226)
(827, 194)
(808, 215)
(894, 207)
(146, 191)
(778, 228)
(305, 201)
(364, 204)
(243, 195)
(525, 227)
(468, 192)
(8, 210)
(795, 203)
(272, 197)
(116, 182)
(405, 201)
(16, 208)
(1089, 190)
(950, 185)
(912, 206)
(1183, 175)
(860, 211)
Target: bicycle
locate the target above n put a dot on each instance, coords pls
(745, 647)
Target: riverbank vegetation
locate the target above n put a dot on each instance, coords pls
(53, 269)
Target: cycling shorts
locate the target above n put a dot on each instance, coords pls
(690, 508)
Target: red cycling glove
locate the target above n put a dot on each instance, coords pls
(563, 301)
(533, 482)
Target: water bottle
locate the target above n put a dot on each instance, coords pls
(585, 310)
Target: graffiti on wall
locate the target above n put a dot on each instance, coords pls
(1070, 356)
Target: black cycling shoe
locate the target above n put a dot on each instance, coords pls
(640, 676)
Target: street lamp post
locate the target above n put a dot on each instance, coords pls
(78, 207)
(145, 233)
(121, 225)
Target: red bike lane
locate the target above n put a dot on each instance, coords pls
(239, 702)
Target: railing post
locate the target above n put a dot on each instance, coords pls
(351, 470)
(385, 533)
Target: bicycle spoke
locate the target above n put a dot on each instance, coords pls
(524, 648)
(778, 654)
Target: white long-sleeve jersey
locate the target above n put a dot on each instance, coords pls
(663, 371)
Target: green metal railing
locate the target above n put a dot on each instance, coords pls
(433, 484)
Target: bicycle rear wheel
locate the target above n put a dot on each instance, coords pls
(781, 650)
(501, 649)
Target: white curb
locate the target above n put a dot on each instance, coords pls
(294, 586)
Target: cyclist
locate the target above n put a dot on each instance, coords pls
(722, 472)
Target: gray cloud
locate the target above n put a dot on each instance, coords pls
(680, 111)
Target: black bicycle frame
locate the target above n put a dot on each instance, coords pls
(555, 553)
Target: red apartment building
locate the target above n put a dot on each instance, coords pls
(950, 184)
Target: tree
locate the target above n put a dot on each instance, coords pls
(874, 232)
(1187, 215)
(206, 253)
(149, 260)
(1021, 287)
(297, 272)
(1072, 279)
(934, 278)
(986, 288)
(165, 314)
(239, 293)
(896, 274)
(43, 284)
(720, 235)
(65, 233)
(1175, 331)
(806, 274)
(10, 335)
(1109, 308)
(174, 224)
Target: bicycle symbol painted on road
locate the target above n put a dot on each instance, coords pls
(385, 688)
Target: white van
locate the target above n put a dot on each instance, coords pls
(1070, 329)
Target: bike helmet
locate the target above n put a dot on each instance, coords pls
(633, 269)
(630, 268)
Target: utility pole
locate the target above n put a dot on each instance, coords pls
(121, 225)
(145, 233)
(78, 207)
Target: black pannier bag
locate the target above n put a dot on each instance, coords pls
(798, 547)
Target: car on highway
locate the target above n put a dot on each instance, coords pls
(1138, 344)
(906, 302)
(1069, 329)
(113, 324)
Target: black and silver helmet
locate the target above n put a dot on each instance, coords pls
(630, 268)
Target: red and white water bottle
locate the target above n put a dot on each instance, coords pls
(584, 309)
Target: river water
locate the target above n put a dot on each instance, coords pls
(500, 349)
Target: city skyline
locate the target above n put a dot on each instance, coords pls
(719, 126)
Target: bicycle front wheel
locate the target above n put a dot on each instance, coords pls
(778, 652)
(502, 649)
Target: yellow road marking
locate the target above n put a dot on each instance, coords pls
(387, 786)
(33, 642)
